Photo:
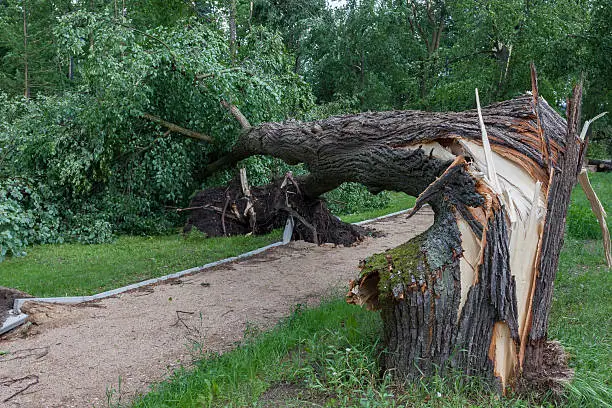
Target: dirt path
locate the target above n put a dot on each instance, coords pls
(74, 356)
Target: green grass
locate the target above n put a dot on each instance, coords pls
(327, 356)
(328, 353)
(75, 269)
(581, 315)
(237, 378)
(398, 202)
(581, 223)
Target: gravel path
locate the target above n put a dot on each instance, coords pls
(76, 356)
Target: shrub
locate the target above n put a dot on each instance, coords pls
(25, 217)
(351, 198)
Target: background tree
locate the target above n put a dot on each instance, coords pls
(30, 64)
(104, 77)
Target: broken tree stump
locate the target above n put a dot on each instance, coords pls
(474, 291)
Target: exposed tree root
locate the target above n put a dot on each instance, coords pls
(547, 370)
(226, 211)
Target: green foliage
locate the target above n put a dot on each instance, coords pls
(106, 168)
(598, 39)
(25, 218)
(384, 54)
(340, 106)
(292, 19)
(94, 69)
(37, 54)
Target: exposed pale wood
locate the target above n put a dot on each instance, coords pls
(502, 351)
(249, 211)
(490, 165)
(244, 183)
(587, 123)
(563, 177)
(468, 264)
(244, 122)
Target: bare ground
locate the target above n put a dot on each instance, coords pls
(76, 356)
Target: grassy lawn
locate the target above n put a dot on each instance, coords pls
(399, 201)
(327, 356)
(75, 269)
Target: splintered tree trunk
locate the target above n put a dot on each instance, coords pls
(473, 292)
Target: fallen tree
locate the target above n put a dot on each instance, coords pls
(601, 165)
(474, 291)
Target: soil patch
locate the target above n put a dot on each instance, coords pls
(286, 394)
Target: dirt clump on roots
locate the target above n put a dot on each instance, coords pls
(548, 372)
(224, 211)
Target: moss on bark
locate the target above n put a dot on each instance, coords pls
(398, 268)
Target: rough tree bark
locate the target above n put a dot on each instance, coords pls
(474, 291)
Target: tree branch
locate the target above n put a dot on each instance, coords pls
(414, 22)
(244, 122)
(200, 77)
(599, 212)
(176, 128)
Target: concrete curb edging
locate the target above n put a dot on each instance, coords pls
(16, 317)
(382, 217)
(14, 320)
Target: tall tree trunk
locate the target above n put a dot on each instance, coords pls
(91, 37)
(71, 68)
(26, 78)
(426, 22)
(232, 28)
(473, 292)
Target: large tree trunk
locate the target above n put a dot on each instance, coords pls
(474, 291)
